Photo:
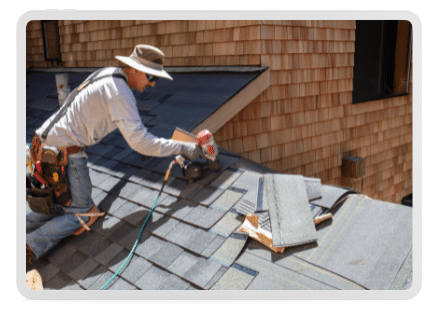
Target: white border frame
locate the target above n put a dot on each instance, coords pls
(221, 15)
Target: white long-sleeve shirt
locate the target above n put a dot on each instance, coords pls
(100, 108)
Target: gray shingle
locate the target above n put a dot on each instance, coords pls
(235, 278)
(99, 248)
(204, 217)
(165, 225)
(113, 152)
(86, 242)
(73, 261)
(127, 189)
(119, 170)
(174, 186)
(48, 271)
(100, 149)
(123, 154)
(108, 202)
(359, 226)
(135, 174)
(109, 253)
(97, 177)
(166, 255)
(227, 224)
(135, 268)
(183, 263)
(121, 284)
(61, 282)
(230, 249)
(226, 179)
(152, 180)
(313, 187)
(92, 277)
(106, 225)
(103, 278)
(103, 164)
(131, 212)
(287, 260)
(183, 234)
(152, 279)
(213, 246)
(291, 219)
(149, 246)
(135, 159)
(83, 270)
(123, 231)
(201, 241)
(175, 207)
(274, 277)
(207, 195)
(174, 283)
(202, 272)
(215, 277)
(129, 239)
(227, 200)
(329, 196)
(111, 184)
(144, 196)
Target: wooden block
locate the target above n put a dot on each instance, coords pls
(254, 60)
(211, 24)
(265, 155)
(261, 140)
(236, 145)
(267, 32)
(254, 156)
(224, 48)
(249, 143)
(240, 129)
(280, 32)
(201, 25)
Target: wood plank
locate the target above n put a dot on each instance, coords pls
(230, 108)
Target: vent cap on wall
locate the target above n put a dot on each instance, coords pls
(353, 167)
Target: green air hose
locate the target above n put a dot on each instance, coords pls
(141, 230)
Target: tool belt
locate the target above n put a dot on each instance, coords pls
(50, 172)
(51, 162)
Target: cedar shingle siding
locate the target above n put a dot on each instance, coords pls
(304, 123)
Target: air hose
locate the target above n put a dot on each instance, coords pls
(142, 228)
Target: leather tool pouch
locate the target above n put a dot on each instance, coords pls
(51, 166)
(39, 200)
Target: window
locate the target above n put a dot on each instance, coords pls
(382, 59)
(52, 51)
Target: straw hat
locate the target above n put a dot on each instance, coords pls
(146, 59)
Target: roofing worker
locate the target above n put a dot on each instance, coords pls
(103, 105)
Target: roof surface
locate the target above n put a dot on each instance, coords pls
(191, 241)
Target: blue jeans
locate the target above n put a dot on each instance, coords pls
(43, 231)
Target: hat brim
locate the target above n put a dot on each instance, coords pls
(143, 68)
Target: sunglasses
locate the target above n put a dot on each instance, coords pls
(152, 78)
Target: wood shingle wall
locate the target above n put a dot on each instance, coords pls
(303, 124)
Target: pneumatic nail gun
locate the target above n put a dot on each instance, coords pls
(195, 170)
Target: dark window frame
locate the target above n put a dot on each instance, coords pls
(45, 42)
(374, 61)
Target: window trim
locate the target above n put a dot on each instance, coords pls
(382, 95)
(46, 53)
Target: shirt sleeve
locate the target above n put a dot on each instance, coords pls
(124, 113)
(138, 138)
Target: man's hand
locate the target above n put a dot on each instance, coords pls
(191, 151)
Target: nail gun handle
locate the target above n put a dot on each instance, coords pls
(208, 145)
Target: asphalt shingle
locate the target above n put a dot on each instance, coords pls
(192, 222)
